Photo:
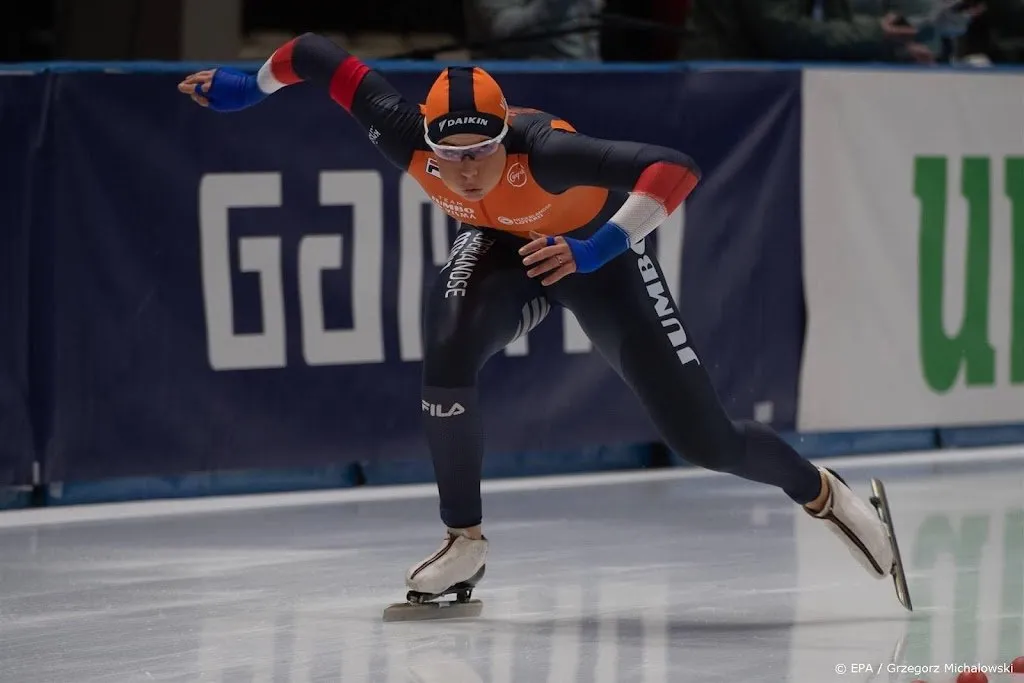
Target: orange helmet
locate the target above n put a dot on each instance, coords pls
(465, 100)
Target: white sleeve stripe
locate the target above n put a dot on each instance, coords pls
(265, 79)
(639, 216)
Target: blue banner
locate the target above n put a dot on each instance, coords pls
(243, 291)
(22, 100)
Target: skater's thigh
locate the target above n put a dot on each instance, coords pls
(628, 312)
(481, 301)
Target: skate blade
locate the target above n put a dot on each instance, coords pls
(406, 611)
(899, 577)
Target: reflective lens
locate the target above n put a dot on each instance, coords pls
(479, 150)
(459, 153)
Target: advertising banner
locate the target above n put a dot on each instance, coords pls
(243, 290)
(913, 236)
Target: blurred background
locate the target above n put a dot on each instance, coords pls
(609, 30)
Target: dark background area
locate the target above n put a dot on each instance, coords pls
(144, 29)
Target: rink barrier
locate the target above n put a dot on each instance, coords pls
(540, 464)
(366, 473)
(76, 454)
(946, 462)
(971, 437)
(203, 484)
(401, 472)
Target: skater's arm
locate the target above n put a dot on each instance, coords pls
(394, 124)
(657, 178)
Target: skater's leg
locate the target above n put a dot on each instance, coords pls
(481, 301)
(626, 309)
(628, 312)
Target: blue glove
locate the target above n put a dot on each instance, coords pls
(604, 245)
(232, 90)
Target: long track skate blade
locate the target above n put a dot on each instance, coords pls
(899, 577)
(405, 611)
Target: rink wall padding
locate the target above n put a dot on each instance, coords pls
(22, 102)
(197, 303)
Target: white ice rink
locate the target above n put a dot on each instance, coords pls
(656, 577)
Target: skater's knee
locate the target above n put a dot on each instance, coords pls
(451, 357)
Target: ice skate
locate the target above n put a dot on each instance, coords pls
(455, 569)
(899, 576)
(868, 534)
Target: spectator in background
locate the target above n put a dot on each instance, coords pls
(499, 20)
(813, 30)
(939, 23)
(997, 33)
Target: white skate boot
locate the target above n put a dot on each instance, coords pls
(867, 533)
(455, 569)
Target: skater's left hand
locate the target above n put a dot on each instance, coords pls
(561, 256)
(548, 255)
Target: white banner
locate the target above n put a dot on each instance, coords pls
(913, 234)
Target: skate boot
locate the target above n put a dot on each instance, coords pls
(867, 533)
(455, 569)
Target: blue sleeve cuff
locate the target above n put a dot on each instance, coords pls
(613, 238)
(604, 245)
(232, 90)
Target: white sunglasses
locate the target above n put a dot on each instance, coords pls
(478, 150)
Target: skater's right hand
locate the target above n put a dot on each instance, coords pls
(222, 89)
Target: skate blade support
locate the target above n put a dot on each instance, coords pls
(424, 606)
(407, 611)
(881, 503)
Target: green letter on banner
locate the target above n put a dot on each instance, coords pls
(941, 354)
(1015, 191)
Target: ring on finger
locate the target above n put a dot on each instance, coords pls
(559, 259)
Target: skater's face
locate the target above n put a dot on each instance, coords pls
(476, 172)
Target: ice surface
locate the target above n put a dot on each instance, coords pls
(676, 577)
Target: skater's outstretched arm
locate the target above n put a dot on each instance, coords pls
(393, 123)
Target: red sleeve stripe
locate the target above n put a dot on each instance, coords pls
(281, 64)
(346, 80)
(669, 183)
